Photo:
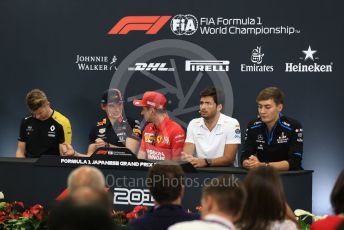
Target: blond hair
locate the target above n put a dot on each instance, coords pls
(35, 99)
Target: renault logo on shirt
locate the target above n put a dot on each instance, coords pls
(51, 133)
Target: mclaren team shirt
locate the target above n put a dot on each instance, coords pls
(44, 137)
(164, 142)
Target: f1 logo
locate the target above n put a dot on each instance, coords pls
(150, 24)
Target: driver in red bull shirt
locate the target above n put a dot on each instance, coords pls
(162, 138)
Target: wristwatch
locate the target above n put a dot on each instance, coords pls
(208, 162)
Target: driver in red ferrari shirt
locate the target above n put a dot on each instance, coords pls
(162, 138)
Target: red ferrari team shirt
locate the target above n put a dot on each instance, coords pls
(164, 142)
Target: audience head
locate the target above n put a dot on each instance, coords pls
(223, 195)
(84, 196)
(85, 209)
(337, 195)
(265, 199)
(86, 176)
(166, 182)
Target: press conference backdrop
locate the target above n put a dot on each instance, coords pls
(75, 49)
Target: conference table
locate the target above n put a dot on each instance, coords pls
(43, 180)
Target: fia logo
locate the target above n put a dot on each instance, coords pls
(257, 55)
(184, 24)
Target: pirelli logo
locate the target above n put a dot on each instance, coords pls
(207, 65)
(150, 24)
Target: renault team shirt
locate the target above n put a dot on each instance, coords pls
(164, 142)
(283, 142)
(44, 137)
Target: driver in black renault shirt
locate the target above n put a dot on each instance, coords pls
(273, 139)
(45, 132)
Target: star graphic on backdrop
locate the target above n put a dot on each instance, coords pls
(309, 53)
